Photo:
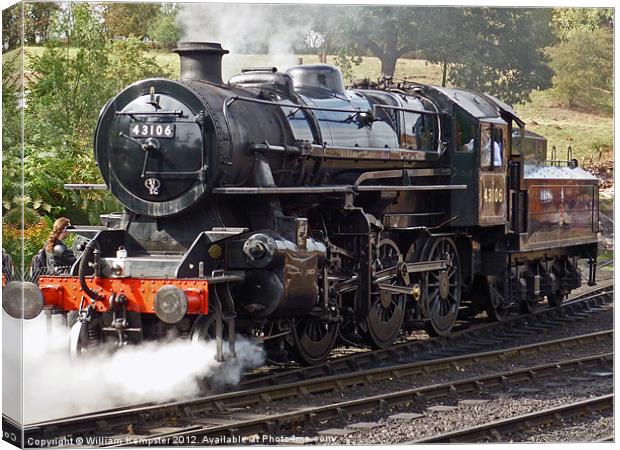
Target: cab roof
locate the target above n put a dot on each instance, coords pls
(480, 106)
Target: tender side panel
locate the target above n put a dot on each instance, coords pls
(561, 212)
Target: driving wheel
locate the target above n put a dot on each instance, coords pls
(387, 309)
(314, 338)
(442, 288)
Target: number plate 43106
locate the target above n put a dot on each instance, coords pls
(159, 130)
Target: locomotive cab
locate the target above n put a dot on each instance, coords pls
(480, 157)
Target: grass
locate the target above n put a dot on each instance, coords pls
(591, 134)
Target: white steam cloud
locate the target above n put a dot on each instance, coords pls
(57, 386)
(246, 28)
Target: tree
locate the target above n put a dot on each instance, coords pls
(445, 35)
(478, 48)
(38, 17)
(11, 27)
(79, 74)
(583, 59)
(567, 21)
(387, 32)
(165, 30)
(316, 41)
(11, 140)
(129, 19)
(583, 66)
(486, 51)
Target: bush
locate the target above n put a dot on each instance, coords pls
(34, 236)
(80, 70)
(583, 66)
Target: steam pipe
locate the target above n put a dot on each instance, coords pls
(88, 252)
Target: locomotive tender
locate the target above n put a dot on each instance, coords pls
(285, 207)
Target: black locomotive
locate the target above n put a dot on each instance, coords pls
(286, 207)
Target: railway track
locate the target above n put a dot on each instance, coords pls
(152, 420)
(207, 430)
(217, 407)
(474, 338)
(496, 431)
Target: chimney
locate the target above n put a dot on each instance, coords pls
(201, 61)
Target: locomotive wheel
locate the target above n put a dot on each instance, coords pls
(82, 338)
(387, 309)
(203, 329)
(556, 298)
(529, 306)
(442, 288)
(314, 339)
(495, 306)
(532, 303)
(72, 318)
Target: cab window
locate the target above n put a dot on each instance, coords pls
(465, 133)
(491, 147)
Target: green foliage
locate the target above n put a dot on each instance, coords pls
(32, 237)
(567, 21)
(37, 16)
(11, 121)
(583, 66)
(445, 44)
(37, 21)
(387, 32)
(583, 60)
(11, 140)
(493, 57)
(346, 59)
(478, 48)
(80, 69)
(12, 26)
(129, 19)
(63, 104)
(128, 62)
(164, 30)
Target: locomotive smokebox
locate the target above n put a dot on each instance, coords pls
(201, 61)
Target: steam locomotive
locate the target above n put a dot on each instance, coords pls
(285, 207)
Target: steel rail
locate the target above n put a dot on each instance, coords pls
(493, 431)
(278, 423)
(608, 438)
(240, 399)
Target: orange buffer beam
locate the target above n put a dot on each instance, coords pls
(66, 293)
